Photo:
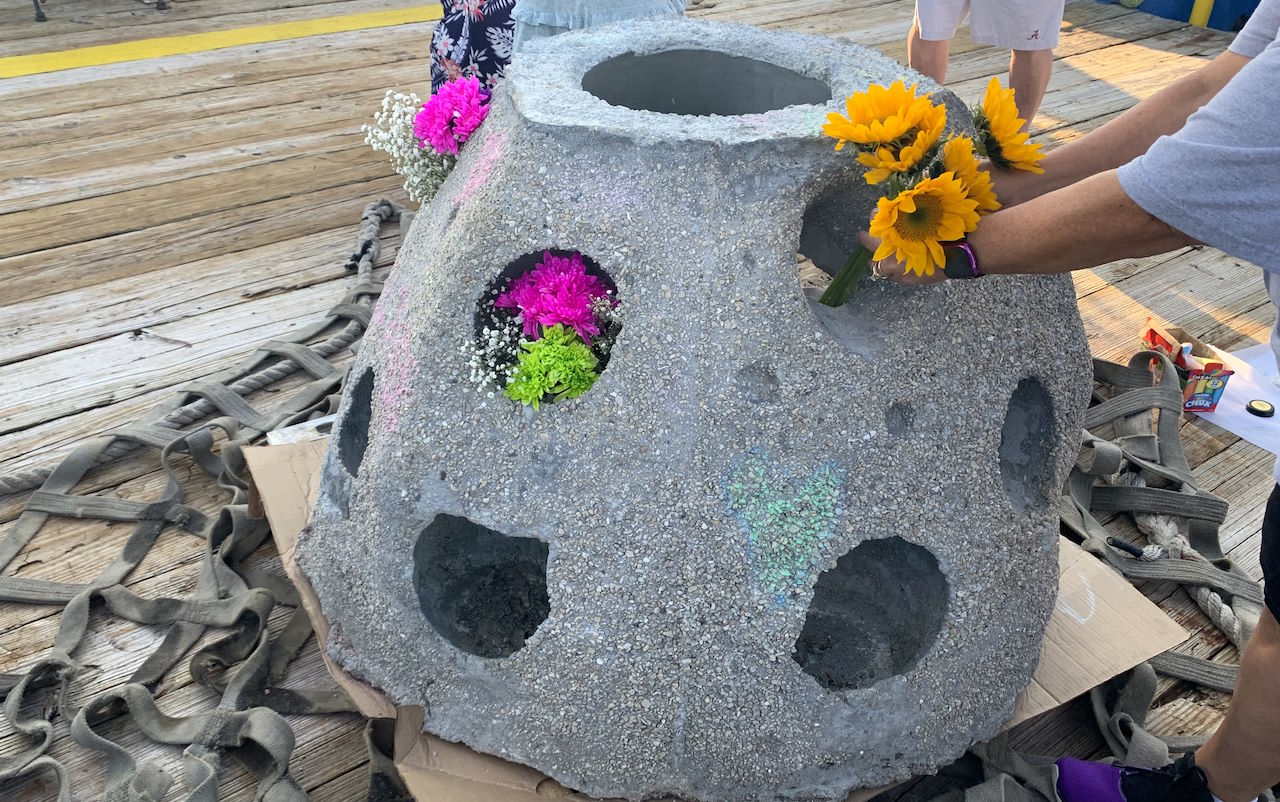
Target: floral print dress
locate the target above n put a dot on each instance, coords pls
(473, 37)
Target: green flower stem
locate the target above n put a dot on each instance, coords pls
(848, 278)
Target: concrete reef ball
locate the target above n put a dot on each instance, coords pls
(778, 551)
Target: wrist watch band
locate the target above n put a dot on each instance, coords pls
(962, 262)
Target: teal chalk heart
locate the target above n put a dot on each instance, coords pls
(785, 521)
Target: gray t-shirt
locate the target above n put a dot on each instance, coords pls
(1218, 179)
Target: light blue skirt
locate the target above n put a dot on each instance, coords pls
(538, 18)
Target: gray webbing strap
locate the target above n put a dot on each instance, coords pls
(245, 665)
(1141, 418)
(1008, 776)
(1121, 710)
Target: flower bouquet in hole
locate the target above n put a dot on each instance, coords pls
(934, 189)
(423, 139)
(545, 334)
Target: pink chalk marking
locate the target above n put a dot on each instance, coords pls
(492, 148)
(395, 387)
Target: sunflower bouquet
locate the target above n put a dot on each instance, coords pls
(934, 189)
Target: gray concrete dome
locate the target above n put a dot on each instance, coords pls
(778, 551)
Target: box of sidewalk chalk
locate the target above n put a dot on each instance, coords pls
(1200, 370)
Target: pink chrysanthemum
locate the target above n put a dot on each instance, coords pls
(452, 114)
(557, 290)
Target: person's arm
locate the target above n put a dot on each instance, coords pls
(1124, 138)
(1086, 224)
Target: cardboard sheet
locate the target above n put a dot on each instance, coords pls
(1100, 628)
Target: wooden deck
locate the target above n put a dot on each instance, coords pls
(159, 218)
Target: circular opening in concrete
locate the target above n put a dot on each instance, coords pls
(700, 83)
(1026, 446)
(353, 436)
(485, 592)
(873, 616)
(828, 235)
(553, 289)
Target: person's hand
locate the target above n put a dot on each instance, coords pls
(1014, 186)
(890, 268)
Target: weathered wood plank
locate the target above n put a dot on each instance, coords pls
(106, 371)
(72, 16)
(42, 228)
(138, 303)
(239, 229)
(62, 99)
(189, 149)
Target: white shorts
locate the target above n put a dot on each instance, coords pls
(1015, 24)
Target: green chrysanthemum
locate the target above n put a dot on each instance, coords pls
(559, 365)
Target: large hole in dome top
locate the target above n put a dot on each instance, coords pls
(873, 616)
(700, 83)
(1026, 446)
(484, 591)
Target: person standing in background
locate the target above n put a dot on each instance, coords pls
(1029, 28)
(473, 38)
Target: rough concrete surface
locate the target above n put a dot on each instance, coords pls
(778, 551)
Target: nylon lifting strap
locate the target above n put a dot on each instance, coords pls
(1132, 439)
(245, 666)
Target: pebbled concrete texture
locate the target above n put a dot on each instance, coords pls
(693, 508)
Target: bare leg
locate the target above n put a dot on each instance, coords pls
(1029, 72)
(1242, 759)
(925, 56)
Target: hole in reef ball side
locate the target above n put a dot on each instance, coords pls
(484, 591)
(1026, 445)
(873, 616)
(353, 437)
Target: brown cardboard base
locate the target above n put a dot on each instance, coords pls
(1100, 628)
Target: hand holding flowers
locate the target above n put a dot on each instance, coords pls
(935, 191)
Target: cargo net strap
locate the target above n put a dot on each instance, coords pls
(209, 422)
(1131, 462)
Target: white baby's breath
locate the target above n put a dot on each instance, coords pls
(424, 170)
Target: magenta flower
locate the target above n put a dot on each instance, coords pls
(557, 290)
(452, 114)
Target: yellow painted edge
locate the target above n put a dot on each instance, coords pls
(16, 66)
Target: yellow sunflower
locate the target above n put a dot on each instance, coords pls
(958, 158)
(892, 127)
(913, 226)
(1000, 132)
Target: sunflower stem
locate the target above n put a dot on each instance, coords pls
(843, 285)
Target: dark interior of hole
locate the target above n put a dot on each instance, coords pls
(1026, 446)
(829, 229)
(353, 437)
(485, 592)
(700, 83)
(873, 616)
